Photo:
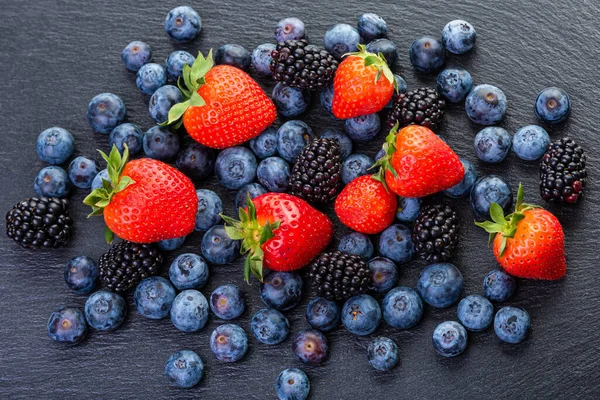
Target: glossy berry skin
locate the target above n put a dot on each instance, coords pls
(252, 189)
(292, 384)
(356, 243)
(161, 102)
(209, 208)
(290, 101)
(97, 182)
(105, 311)
(229, 343)
(67, 325)
(459, 36)
(274, 173)
(363, 128)
(82, 172)
(175, 62)
(153, 297)
(105, 112)
(170, 244)
(341, 39)
(326, 98)
(492, 144)
(402, 307)
(269, 326)
(361, 315)
(371, 26)
(487, 190)
(475, 312)
(235, 167)
(292, 137)
(530, 142)
(384, 274)
(408, 209)
(512, 324)
(499, 286)
(129, 134)
(52, 182)
(382, 354)
(195, 160)
(55, 145)
(265, 144)
(454, 84)
(385, 47)
(234, 55)
(189, 311)
(343, 141)
(217, 248)
(184, 369)
(396, 244)
(463, 187)
(183, 24)
(354, 166)
(227, 302)
(81, 274)
(310, 346)
(150, 77)
(486, 105)
(440, 285)
(427, 54)
(281, 290)
(289, 29)
(161, 144)
(450, 339)
(552, 106)
(323, 314)
(136, 54)
(261, 59)
(188, 271)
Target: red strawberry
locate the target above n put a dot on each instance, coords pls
(366, 206)
(363, 84)
(224, 107)
(528, 243)
(145, 200)
(280, 232)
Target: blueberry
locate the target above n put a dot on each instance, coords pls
(217, 247)
(97, 182)
(356, 243)
(235, 167)
(229, 343)
(363, 128)
(227, 302)
(188, 271)
(55, 145)
(454, 84)
(292, 137)
(327, 99)
(486, 105)
(395, 243)
(136, 54)
(150, 77)
(450, 339)
(512, 324)
(382, 354)
(289, 29)
(67, 325)
(463, 187)
(292, 384)
(160, 143)
(354, 166)
(553, 106)
(341, 39)
(459, 36)
(273, 173)
(161, 102)
(371, 26)
(82, 172)
(52, 182)
(261, 59)
(342, 140)
(171, 244)
(234, 55)
(361, 315)
(269, 326)
(184, 369)
(281, 290)
(183, 24)
(153, 297)
(499, 286)
(530, 142)
(129, 134)
(384, 274)
(252, 189)
(492, 144)
(440, 284)
(189, 311)
(105, 112)
(81, 274)
(487, 190)
(385, 47)
(310, 346)
(427, 54)
(408, 209)
(265, 144)
(323, 314)
(402, 307)
(105, 311)
(175, 62)
(475, 312)
(290, 101)
(209, 208)
(195, 160)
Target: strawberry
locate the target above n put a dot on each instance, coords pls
(363, 84)
(280, 232)
(365, 205)
(224, 106)
(528, 243)
(145, 200)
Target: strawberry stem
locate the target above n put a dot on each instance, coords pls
(384, 163)
(377, 61)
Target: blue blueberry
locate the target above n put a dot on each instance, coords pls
(235, 167)
(265, 144)
(396, 244)
(269, 326)
(492, 144)
(363, 128)
(261, 59)
(440, 285)
(252, 189)
(189, 311)
(292, 137)
(408, 209)
(82, 172)
(183, 24)
(553, 106)
(227, 302)
(402, 307)
(217, 247)
(161, 102)
(463, 187)
(499, 286)
(188, 271)
(385, 47)
(450, 339)
(105, 112)
(153, 297)
(160, 143)
(341, 39)
(487, 190)
(310, 346)
(512, 324)
(136, 54)
(52, 181)
(454, 84)
(209, 208)
(384, 274)
(459, 36)
(105, 311)
(342, 140)
(81, 274)
(323, 314)
(530, 142)
(281, 290)
(361, 315)
(184, 369)
(290, 101)
(150, 77)
(55, 145)
(475, 312)
(171, 244)
(289, 29)
(229, 343)
(382, 354)
(97, 182)
(292, 384)
(67, 325)
(354, 166)
(175, 62)
(129, 134)
(371, 26)
(195, 160)
(327, 99)
(234, 55)
(427, 54)
(356, 243)
(486, 105)
(273, 173)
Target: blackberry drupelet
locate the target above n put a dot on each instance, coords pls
(317, 174)
(435, 233)
(423, 106)
(40, 222)
(126, 264)
(338, 276)
(562, 172)
(299, 64)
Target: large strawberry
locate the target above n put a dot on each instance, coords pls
(224, 106)
(280, 232)
(145, 200)
(528, 243)
(363, 84)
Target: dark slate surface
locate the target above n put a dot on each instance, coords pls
(55, 55)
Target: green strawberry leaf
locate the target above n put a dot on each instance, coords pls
(108, 235)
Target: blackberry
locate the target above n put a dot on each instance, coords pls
(299, 64)
(338, 276)
(317, 174)
(562, 172)
(126, 264)
(40, 222)
(435, 233)
(422, 106)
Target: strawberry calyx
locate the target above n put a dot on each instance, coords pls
(384, 162)
(253, 235)
(377, 61)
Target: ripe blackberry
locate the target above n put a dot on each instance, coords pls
(299, 64)
(40, 222)
(562, 172)
(422, 106)
(435, 233)
(126, 263)
(338, 276)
